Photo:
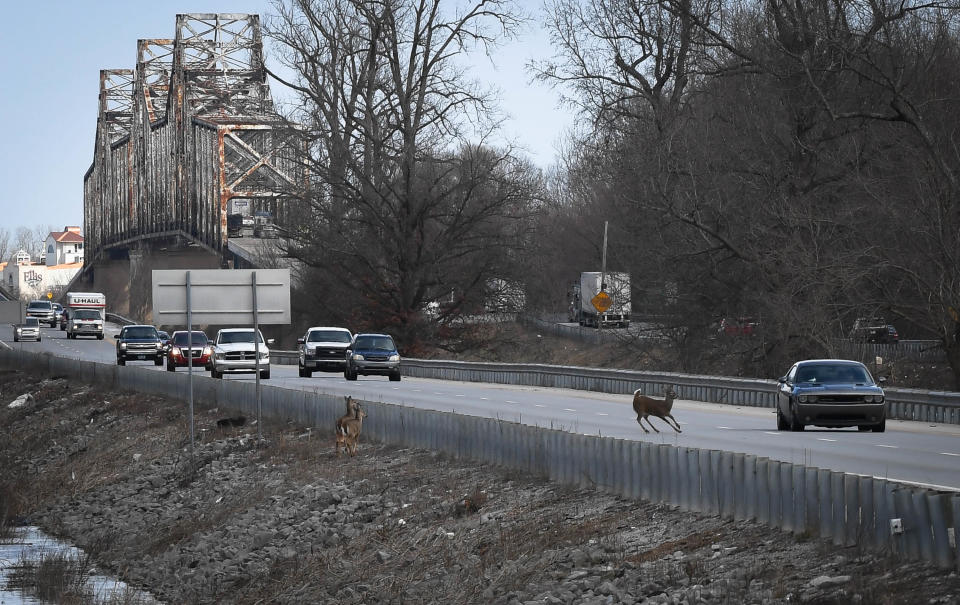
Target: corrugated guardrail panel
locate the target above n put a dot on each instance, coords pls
(848, 509)
(905, 404)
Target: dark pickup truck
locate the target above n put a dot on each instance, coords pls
(139, 343)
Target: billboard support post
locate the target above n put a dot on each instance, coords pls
(256, 352)
(189, 356)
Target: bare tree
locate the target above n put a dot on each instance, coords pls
(402, 208)
(5, 244)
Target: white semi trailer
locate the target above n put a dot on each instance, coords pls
(617, 288)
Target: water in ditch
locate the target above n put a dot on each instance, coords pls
(30, 546)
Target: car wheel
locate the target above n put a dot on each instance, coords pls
(863, 428)
(880, 428)
(170, 366)
(16, 338)
(304, 373)
(39, 338)
(121, 361)
(349, 375)
(265, 374)
(158, 361)
(782, 424)
(99, 336)
(795, 424)
(215, 374)
(395, 377)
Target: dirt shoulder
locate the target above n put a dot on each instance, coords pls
(287, 521)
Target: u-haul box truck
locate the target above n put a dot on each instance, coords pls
(83, 314)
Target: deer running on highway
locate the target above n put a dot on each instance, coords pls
(648, 406)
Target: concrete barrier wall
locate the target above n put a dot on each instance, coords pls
(850, 510)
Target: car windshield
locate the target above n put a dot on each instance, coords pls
(832, 374)
(139, 332)
(40, 304)
(32, 322)
(86, 314)
(375, 343)
(329, 336)
(235, 337)
(180, 338)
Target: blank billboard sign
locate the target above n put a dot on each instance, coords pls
(221, 296)
(11, 312)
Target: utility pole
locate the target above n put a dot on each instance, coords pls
(603, 281)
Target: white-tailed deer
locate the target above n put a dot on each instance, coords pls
(349, 432)
(648, 406)
(352, 407)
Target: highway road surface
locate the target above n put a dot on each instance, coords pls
(914, 452)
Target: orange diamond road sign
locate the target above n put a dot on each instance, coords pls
(601, 302)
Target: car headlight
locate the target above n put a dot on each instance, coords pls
(394, 357)
(807, 398)
(220, 355)
(123, 346)
(357, 357)
(873, 398)
(175, 351)
(264, 355)
(207, 351)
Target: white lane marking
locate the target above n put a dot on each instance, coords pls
(539, 405)
(892, 447)
(824, 439)
(572, 410)
(459, 395)
(508, 401)
(6, 345)
(598, 413)
(771, 432)
(438, 392)
(416, 390)
(484, 399)
(948, 454)
(725, 427)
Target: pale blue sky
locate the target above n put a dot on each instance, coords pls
(51, 54)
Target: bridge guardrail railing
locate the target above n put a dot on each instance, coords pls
(847, 509)
(904, 404)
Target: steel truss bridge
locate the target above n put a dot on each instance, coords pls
(183, 137)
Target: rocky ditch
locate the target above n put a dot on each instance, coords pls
(287, 521)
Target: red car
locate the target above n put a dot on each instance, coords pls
(202, 352)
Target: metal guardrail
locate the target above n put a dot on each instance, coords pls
(904, 404)
(848, 509)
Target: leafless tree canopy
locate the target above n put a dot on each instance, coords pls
(403, 208)
(793, 161)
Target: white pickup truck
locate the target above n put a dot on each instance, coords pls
(235, 352)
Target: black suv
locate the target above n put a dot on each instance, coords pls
(43, 311)
(139, 343)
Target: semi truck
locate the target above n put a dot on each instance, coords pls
(582, 292)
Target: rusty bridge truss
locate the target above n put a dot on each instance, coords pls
(186, 136)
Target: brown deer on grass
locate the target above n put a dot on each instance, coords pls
(349, 432)
(648, 406)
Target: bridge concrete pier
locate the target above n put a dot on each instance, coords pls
(127, 279)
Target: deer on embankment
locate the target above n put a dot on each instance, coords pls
(648, 406)
(352, 407)
(348, 432)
